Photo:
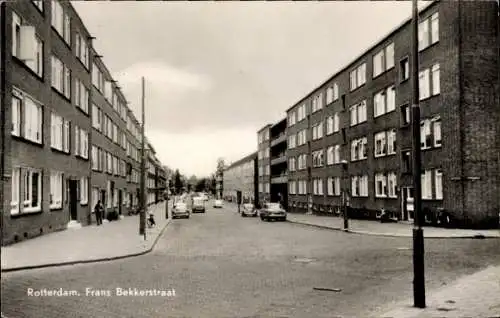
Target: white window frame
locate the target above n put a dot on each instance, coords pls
(329, 155)
(426, 180)
(81, 96)
(424, 84)
(438, 183)
(381, 178)
(27, 179)
(358, 76)
(436, 132)
(428, 31)
(435, 80)
(380, 144)
(391, 142)
(15, 191)
(27, 117)
(56, 190)
(425, 134)
(392, 185)
(357, 113)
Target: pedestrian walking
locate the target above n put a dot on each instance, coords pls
(98, 210)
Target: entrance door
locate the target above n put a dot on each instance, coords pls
(120, 201)
(73, 200)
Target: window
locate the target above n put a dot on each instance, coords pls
(426, 185)
(317, 186)
(317, 103)
(95, 158)
(384, 101)
(359, 149)
(329, 95)
(292, 187)
(425, 134)
(329, 155)
(406, 161)
(405, 115)
(380, 144)
(301, 112)
(392, 181)
(26, 186)
(15, 184)
(302, 161)
(428, 31)
(292, 141)
(358, 113)
(317, 131)
(59, 133)
(81, 96)
(26, 45)
(292, 117)
(115, 133)
(27, 117)
(97, 78)
(336, 154)
(333, 186)
(437, 131)
(359, 186)
(358, 76)
(436, 87)
(429, 82)
(61, 77)
(61, 21)
(291, 164)
(96, 117)
(404, 69)
(109, 165)
(81, 143)
(380, 185)
(301, 137)
(317, 157)
(56, 190)
(82, 50)
(385, 143)
(438, 182)
(383, 60)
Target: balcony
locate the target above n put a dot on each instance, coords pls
(278, 139)
(278, 159)
(280, 178)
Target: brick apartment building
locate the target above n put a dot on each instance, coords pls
(67, 136)
(241, 176)
(353, 131)
(264, 163)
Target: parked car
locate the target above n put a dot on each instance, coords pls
(248, 209)
(218, 204)
(180, 210)
(198, 205)
(272, 211)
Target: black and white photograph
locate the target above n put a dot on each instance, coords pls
(238, 159)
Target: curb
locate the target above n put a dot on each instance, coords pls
(96, 260)
(477, 236)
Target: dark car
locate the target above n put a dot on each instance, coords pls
(198, 205)
(272, 211)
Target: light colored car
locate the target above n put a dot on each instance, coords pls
(198, 205)
(180, 210)
(272, 211)
(217, 203)
(248, 209)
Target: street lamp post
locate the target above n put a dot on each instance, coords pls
(345, 182)
(142, 216)
(418, 232)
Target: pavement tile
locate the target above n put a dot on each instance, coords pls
(388, 229)
(476, 295)
(89, 243)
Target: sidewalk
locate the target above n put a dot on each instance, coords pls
(113, 240)
(477, 295)
(387, 229)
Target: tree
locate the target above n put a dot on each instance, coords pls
(201, 185)
(178, 184)
(219, 173)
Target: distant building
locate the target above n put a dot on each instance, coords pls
(264, 163)
(241, 176)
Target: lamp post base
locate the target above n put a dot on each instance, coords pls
(418, 268)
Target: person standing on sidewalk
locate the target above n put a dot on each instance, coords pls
(98, 210)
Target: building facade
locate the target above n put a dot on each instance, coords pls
(241, 176)
(278, 163)
(264, 163)
(68, 139)
(352, 135)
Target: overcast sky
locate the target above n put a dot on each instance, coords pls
(216, 72)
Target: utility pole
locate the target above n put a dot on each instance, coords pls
(345, 193)
(418, 232)
(167, 195)
(142, 217)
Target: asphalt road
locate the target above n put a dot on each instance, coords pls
(223, 265)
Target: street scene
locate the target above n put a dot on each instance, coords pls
(222, 265)
(250, 159)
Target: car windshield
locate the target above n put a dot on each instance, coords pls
(180, 205)
(272, 206)
(248, 205)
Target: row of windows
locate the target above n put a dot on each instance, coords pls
(104, 161)
(264, 171)
(27, 47)
(263, 136)
(129, 200)
(385, 185)
(262, 154)
(26, 194)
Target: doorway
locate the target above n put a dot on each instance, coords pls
(120, 201)
(73, 199)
